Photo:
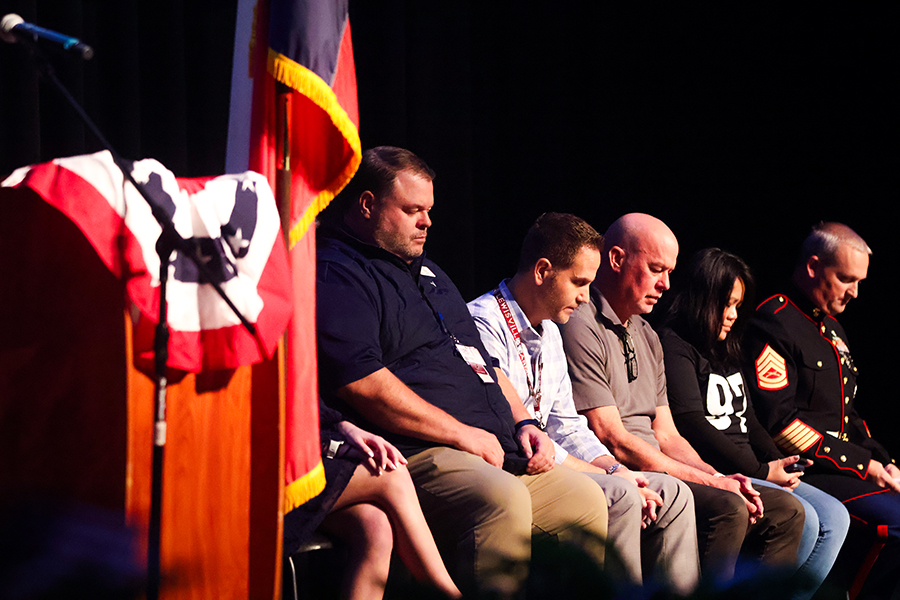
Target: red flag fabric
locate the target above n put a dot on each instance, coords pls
(305, 46)
(234, 222)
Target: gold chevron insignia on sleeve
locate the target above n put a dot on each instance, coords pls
(771, 370)
(797, 437)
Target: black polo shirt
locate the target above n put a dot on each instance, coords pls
(374, 311)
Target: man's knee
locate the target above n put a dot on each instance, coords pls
(622, 497)
(563, 498)
(571, 505)
(878, 509)
(783, 509)
(671, 489)
(677, 497)
(720, 509)
(480, 516)
(464, 488)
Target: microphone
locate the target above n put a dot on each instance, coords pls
(14, 29)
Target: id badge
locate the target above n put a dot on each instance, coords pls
(474, 359)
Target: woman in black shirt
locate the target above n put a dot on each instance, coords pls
(712, 410)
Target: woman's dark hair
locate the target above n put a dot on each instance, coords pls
(696, 312)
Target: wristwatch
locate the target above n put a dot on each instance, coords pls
(612, 468)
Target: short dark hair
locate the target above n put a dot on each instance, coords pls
(377, 172)
(696, 311)
(558, 237)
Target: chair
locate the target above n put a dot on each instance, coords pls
(296, 566)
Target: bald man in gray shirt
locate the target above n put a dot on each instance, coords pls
(618, 382)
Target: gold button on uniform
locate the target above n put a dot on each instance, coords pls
(847, 400)
(819, 363)
(860, 467)
(843, 459)
(846, 419)
(827, 449)
(845, 380)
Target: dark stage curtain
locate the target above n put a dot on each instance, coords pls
(158, 85)
(740, 126)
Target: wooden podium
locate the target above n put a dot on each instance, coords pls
(76, 417)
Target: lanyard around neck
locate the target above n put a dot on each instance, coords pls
(533, 388)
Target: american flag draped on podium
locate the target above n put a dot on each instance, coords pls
(305, 45)
(231, 219)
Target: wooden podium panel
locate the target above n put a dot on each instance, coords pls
(62, 368)
(207, 531)
(76, 417)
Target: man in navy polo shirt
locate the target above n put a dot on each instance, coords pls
(399, 355)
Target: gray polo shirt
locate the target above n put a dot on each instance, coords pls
(597, 366)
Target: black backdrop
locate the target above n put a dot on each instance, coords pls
(738, 126)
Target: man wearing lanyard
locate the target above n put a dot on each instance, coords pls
(517, 323)
(399, 355)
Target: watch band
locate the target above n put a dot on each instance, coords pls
(525, 422)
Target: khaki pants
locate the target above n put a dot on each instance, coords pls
(483, 517)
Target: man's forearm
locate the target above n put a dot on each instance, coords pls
(641, 456)
(678, 449)
(577, 464)
(387, 402)
(636, 453)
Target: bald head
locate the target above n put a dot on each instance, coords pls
(641, 252)
(635, 230)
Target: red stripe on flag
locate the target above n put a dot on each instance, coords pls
(92, 214)
(119, 248)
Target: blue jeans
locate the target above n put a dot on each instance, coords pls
(824, 530)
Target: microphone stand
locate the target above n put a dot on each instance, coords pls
(169, 241)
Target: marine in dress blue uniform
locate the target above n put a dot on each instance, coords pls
(805, 388)
(803, 385)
